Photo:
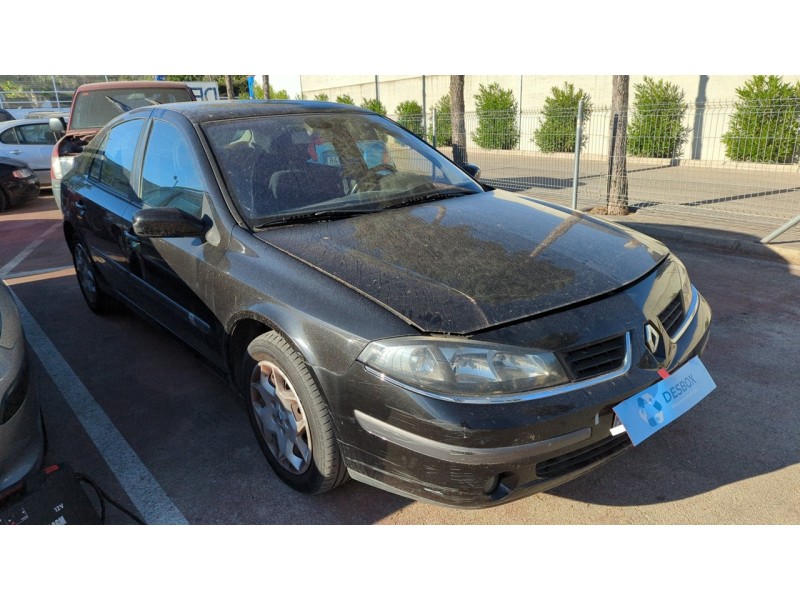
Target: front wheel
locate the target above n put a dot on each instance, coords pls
(290, 417)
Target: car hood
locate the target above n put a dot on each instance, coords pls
(470, 263)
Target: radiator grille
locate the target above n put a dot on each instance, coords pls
(596, 358)
(672, 316)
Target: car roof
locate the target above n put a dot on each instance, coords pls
(115, 85)
(220, 110)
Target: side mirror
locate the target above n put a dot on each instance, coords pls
(166, 222)
(473, 170)
(58, 125)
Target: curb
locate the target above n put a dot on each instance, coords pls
(725, 242)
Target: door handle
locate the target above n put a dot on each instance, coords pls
(15, 151)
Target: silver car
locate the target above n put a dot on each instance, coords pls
(31, 141)
(21, 434)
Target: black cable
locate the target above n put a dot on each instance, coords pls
(101, 495)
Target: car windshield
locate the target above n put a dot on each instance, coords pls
(95, 108)
(290, 168)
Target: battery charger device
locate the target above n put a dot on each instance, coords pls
(54, 496)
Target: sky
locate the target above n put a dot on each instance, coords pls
(290, 83)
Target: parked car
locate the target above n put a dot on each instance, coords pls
(94, 105)
(396, 322)
(31, 141)
(18, 183)
(21, 435)
(5, 115)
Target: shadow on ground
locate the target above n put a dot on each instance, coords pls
(749, 426)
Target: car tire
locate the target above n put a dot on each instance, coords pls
(290, 417)
(3, 201)
(95, 297)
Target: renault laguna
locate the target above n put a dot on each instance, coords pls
(384, 315)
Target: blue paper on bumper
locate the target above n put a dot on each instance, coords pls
(661, 403)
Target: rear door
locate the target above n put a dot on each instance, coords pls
(99, 202)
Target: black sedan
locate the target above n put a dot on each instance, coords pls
(18, 183)
(385, 315)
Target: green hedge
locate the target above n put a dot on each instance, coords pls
(765, 123)
(409, 115)
(558, 125)
(656, 128)
(497, 118)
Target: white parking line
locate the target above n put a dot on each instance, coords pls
(11, 265)
(147, 495)
(36, 273)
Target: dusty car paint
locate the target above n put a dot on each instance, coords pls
(492, 267)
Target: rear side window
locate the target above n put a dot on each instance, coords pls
(9, 136)
(113, 158)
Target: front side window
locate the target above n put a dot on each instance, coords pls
(113, 157)
(170, 173)
(325, 165)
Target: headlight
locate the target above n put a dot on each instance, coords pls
(22, 173)
(462, 367)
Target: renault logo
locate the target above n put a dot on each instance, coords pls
(651, 337)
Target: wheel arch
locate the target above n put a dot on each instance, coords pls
(249, 324)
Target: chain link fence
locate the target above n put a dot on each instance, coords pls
(20, 94)
(720, 158)
(712, 158)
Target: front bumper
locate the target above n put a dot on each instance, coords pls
(477, 455)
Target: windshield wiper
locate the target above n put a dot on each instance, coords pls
(430, 196)
(312, 217)
(121, 106)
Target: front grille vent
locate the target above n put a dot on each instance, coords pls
(596, 358)
(672, 316)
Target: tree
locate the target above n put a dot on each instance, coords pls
(617, 161)
(765, 123)
(374, 105)
(321, 97)
(656, 128)
(497, 118)
(345, 99)
(457, 124)
(444, 128)
(265, 86)
(279, 95)
(409, 115)
(559, 122)
(230, 92)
